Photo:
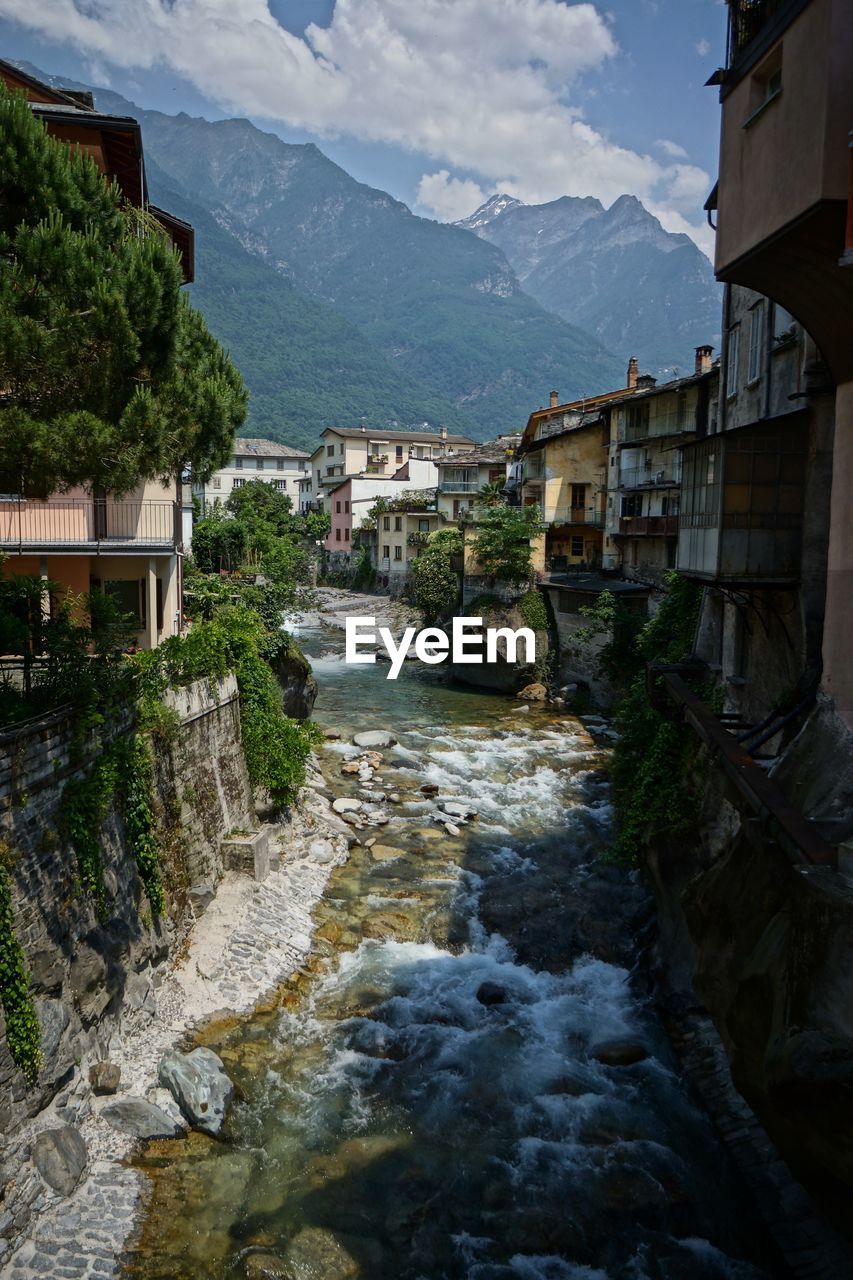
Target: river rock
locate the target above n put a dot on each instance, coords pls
(60, 1157)
(535, 692)
(351, 768)
(619, 1053)
(315, 1254)
(352, 818)
(457, 809)
(372, 797)
(378, 738)
(384, 852)
(395, 798)
(489, 993)
(321, 851)
(198, 1083)
(346, 804)
(331, 735)
(140, 1119)
(452, 830)
(266, 1266)
(430, 789)
(104, 1077)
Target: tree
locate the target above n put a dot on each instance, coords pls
(502, 542)
(218, 543)
(436, 583)
(492, 494)
(109, 376)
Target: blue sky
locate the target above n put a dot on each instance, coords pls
(440, 102)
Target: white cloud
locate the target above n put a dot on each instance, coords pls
(449, 199)
(703, 47)
(671, 149)
(481, 86)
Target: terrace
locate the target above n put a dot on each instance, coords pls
(88, 524)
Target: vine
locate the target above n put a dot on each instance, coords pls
(84, 806)
(23, 1034)
(138, 784)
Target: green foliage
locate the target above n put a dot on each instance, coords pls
(23, 1034)
(218, 543)
(609, 616)
(502, 542)
(85, 802)
(137, 788)
(436, 583)
(491, 494)
(364, 574)
(108, 374)
(533, 610)
(652, 760)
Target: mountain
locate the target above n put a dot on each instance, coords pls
(439, 307)
(613, 272)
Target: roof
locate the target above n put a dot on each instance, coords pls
(266, 449)
(493, 451)
(379, 433)
(8, 71)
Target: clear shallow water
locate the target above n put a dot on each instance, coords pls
(392, 1124)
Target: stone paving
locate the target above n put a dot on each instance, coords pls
(252, 936)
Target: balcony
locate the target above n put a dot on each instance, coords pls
(747, 19)
(649, 526)
(88, 525)
(459, 486)
(587, 516)
(651, 477)
(533, 468)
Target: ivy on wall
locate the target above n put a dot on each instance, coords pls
(23, 1034)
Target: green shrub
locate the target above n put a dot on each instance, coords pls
(23, 1034)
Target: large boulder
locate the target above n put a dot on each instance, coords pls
(378, 738)
(140, 1119)
(502, 675)
(60, 1157)
(198, 1083)
(104, 1077)
(298, 686)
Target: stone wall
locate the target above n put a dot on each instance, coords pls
(86, 972)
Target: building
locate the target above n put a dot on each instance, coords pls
(564, 472)
(277, 464)
(378, 455)
(461, 477)
(785, 232)
(130, 547)
(646, 432)
(351, 500)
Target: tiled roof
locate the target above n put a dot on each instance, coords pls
(494, 451)
(416, 437)
(266, 449)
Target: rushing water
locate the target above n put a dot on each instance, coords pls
(391, 1124)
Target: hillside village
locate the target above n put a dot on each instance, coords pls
(626, 867)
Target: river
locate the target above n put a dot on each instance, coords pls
(427, 1100)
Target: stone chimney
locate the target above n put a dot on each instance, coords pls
(442, 431)
(645, 382)
(555, 399)
(633, 370)
(704, 357)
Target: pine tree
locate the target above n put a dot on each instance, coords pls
(107, 375)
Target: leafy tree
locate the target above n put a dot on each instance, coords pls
(492, 494)
(436, 584)
(109, 376)
(502, 543)
(218, 542)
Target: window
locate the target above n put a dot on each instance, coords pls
(281, 485)
(217, 482)
(577, 545)
(337, 535)
(279, 463)
(386, 522)
(398, 454)
(338, 505)
(127, 595)
(259, 464)
(398, 553)
(783, 323)
(756, 342)
(330, 451)
(346, 508)
(423, 526)
(238, 464)
(578, 497)
(398, 524)
(386, 552)
(632, 505)
(637, 420)
(496, 475)
(237, 482)
(346, 534)
(732, 361)
(318, 477)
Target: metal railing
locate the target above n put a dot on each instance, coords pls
(88, 522)
(533, 467)
(581, 515)
(647, 477)
(649, 526)
(746, 19)
(459, 486)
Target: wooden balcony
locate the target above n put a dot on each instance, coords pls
(649, 526)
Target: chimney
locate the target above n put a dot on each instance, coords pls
(442, 431)
(555, 399)
(645, 382)
(633, 370)
(703, 360)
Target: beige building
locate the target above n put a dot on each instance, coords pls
(380, 455)
(276, 464)
(461, 477)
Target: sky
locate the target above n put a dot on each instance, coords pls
(440, 102)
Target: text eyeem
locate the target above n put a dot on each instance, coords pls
(469, 642)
